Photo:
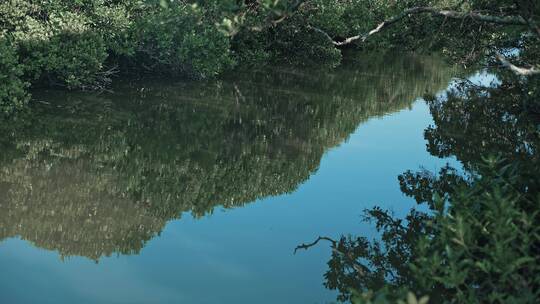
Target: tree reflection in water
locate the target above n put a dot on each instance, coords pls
(100, 174)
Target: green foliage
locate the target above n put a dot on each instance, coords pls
(77, 44)
(479, 242)
(178, 39)
(182, 36)
(478, 245)
(75, 60)
(293, 41)
(484, 248)
(13, 96)
(55, 45)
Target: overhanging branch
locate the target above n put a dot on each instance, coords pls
(505, 20)
(517, 70)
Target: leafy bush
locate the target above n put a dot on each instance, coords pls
(479, 241)
(56, 45)
(76, 60)
(13, 96)
(178, 39)
(479, 246)
(75, 43)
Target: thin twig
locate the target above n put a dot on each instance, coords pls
(357, 267)
(320, 238)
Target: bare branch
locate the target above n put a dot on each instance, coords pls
(517, 70)
(320, 238)
(506, 20)
(355, 265)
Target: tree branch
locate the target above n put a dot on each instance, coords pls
(355, 265)
(506, 20)
(320, 238)
(517, 70)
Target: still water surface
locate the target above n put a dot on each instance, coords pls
(179, 192)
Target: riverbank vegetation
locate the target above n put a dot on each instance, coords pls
(83, 44)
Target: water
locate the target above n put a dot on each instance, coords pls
(180, 192)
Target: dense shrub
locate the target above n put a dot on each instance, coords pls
(480, 239)
(75, 43)
(76, 60)
(180, 40)
(13, 96)
(479, 246)
(55, 45)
